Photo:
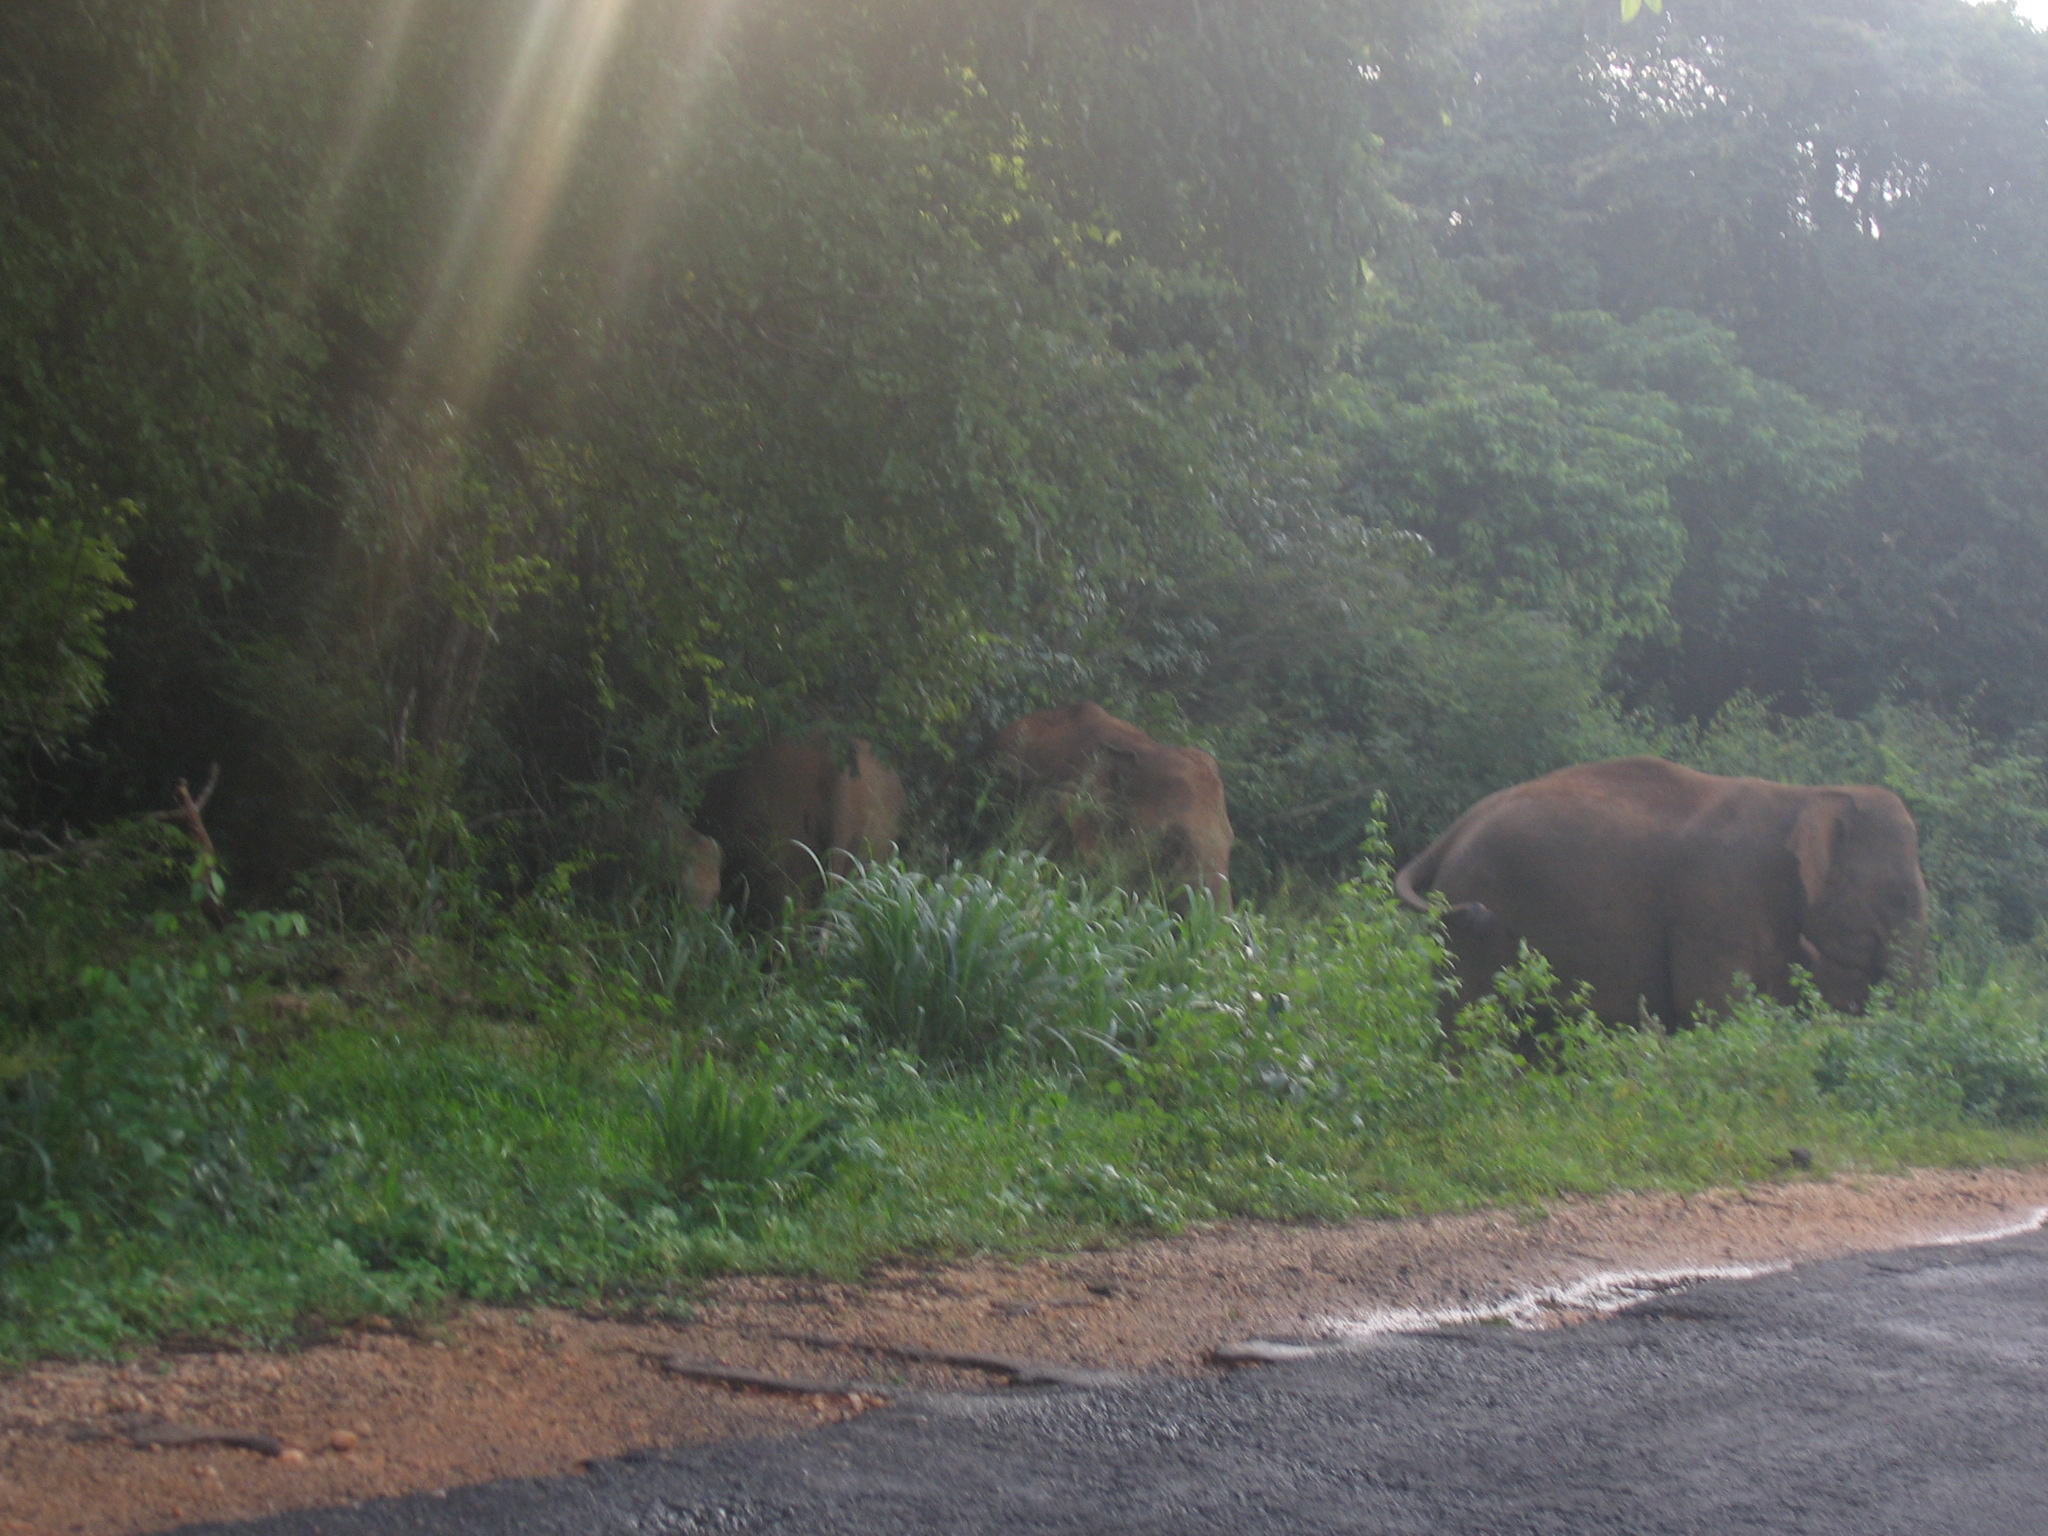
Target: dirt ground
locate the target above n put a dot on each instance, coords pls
(490, 1393)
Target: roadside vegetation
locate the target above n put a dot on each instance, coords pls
(245, 1133)
(1398, 398)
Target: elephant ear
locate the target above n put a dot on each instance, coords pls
(1814, 838)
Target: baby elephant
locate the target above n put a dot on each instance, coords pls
(1658, 886)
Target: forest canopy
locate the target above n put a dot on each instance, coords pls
(491, 415)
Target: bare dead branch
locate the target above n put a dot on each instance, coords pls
(29, 836)
(189, 813)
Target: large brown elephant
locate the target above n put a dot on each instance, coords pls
(1658, 886)
(797, 808)
(1119, 799)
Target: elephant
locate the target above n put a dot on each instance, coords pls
(1657, 886)
(646, 845)
(1149, 811)
(678, 855)
(795, 810)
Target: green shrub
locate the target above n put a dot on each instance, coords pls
(141, 1113)
(61, 580)
(1006, 959)
(67, 907)
(722, 1145)
(414, 868)
(1347, 678)
(546, 958)
(1975, 1051)
(1336, 1012)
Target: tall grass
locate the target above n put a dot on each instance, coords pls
(1007, 959)
(722, 1144)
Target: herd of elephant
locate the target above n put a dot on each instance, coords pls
(1660, 890)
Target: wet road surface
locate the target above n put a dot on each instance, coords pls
(1902, 1392)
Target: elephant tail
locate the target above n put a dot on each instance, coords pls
(1419, 871)
(1464, 920)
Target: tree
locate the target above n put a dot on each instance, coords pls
(1857, 191)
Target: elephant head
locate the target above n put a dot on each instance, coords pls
(1863, 903)
(1142, 810)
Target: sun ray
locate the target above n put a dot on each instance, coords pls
(531, 138)
(702, 32)
(384, 49)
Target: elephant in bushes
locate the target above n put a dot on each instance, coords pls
(795, 809)
(1119, 799)
(676, 855)
(1658, 886)
(647, 846)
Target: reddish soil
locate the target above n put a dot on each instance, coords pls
(491, 1393)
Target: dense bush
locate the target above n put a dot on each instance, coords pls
(134, 1106)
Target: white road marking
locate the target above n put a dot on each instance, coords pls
(1596, 1295)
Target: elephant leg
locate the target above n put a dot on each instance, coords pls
(1482, 945)
(1709, 971)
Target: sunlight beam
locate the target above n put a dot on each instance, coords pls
(529, 143)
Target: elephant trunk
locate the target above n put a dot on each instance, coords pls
(1913, 969)
(1843, 988)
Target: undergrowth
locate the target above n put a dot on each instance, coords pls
(231, 1134)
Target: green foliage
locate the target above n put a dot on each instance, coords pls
(694, 962)
(1546, 485)
(59, 585)
(1399, 411)
(1010, 960)
(1856, 192)
(923, 359)
(246, 1170)
(415, 869)
(136, 1107)
(724, 1146)
(1352, 677)
(547, 959)
(65, 907)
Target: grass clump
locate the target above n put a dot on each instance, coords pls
(1007, 960)
(721, 1143)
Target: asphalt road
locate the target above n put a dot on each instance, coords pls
(1901, 1392)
